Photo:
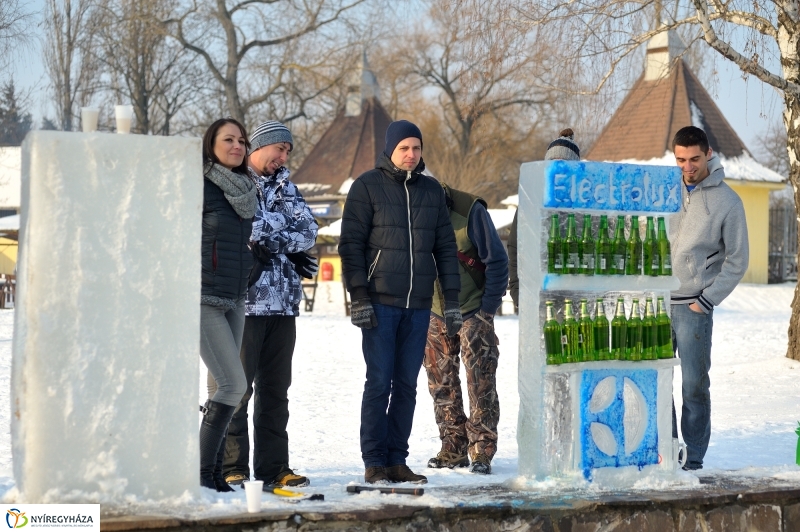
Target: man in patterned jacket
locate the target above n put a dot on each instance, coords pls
(283, 229)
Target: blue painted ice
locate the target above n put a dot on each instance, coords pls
(611, 187)
(618, 418)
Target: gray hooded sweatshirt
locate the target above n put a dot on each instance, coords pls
(710, 251)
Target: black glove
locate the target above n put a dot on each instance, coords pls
(261, 253)
(263, 258)
(362, 314)
(304, 264)
(453, 320)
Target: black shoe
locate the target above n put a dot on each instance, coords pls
(481, 465)
(213, 429)
(692, 466)
(287, 478)
(376, 475)
(449, 460)
(401, 473)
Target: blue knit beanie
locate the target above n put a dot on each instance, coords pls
(400, 130)
(270, 132)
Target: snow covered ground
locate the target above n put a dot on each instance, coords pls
(755, 406)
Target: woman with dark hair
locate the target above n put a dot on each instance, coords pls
(229, 203)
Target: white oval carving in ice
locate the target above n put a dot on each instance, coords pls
(603, 395)
(604, 438)
(635, 420)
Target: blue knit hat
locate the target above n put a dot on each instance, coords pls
(270, 132)
(400, 130)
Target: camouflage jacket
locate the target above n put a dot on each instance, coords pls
(283, 224)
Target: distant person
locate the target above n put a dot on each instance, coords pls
(396, 239)
(563, 148)
(229, 204)
(483, 265)
(283, 230)
(710, 256)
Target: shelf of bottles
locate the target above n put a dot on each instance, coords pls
(574, 261)
(619, 264)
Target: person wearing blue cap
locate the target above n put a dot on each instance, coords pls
(396, 240)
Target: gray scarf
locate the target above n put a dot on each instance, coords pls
(240, 191)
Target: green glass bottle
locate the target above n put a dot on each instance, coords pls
(649, 332)
(602, 263)
(600, 328)
(555, 256)
(586, 338)
(618, 248)
(633, 250)
(635, 333)
(664, 331)
(570, 331)
(552, 336)
(664, 252)
(587, 247)
(571, 247)
(619, 332)
(650, 249)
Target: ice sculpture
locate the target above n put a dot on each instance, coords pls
(105, 355)
(601, 420)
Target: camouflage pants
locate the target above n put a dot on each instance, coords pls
(477, 343)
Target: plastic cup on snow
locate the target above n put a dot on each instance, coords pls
(253, 490)
(89, 119)
(124, 117)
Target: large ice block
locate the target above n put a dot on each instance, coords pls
(106, 341)
(603, 420)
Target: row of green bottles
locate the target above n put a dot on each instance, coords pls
(585, 340)
(619, 256)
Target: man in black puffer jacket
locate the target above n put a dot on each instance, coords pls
(396, 240)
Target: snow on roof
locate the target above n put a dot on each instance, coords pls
(10, 176)
(511, 201)
(345, 188)
(501, 218)
(740, 168)
(334, 229)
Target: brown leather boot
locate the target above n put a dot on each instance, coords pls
(376, 475)
(401, 473)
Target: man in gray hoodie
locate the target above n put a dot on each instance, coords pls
(709, 255)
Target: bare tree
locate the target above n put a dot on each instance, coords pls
(761, 38)
(772, 149)
(472, 85)
(69, 61)
(14, 21)
(143, 65)
(249, 47)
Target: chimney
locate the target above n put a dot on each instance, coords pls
(662, 50)
(362, 84)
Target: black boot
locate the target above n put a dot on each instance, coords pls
(212, 436)
(219, 480)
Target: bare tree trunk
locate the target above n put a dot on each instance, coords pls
(791, 118)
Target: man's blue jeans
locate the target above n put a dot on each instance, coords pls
(393, 352)
(691, 336)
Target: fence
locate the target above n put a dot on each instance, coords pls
(782, 244)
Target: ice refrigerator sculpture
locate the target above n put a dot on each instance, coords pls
(600, 408)
(107, 329)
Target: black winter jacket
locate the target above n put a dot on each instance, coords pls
(397, 237)
(225, 256)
